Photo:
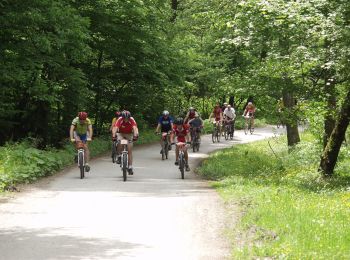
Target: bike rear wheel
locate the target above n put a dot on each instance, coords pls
(114, 152)
(81, 165)
(166, 145)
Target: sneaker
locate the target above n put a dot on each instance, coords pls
(176, 163)
(119, 159)
(87, 168)
(187, 168)
(130, 170)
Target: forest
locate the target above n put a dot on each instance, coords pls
(59, 57)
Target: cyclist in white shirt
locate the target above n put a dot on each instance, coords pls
(229, 113)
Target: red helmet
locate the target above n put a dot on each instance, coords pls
(117, 113)
(82, 115)
(126, 114)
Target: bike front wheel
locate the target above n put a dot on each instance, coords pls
(125, 167)
(81, 165)
(182, 165)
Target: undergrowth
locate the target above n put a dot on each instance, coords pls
(23, 163)
(288, 210)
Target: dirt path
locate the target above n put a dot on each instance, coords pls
(154, 215)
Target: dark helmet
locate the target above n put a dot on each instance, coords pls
(126, 114)
(82, 115)
(179, 121)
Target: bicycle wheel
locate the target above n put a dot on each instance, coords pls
(251, 129)
(163, 151)
(81, 165)
(246, 128)
(232, 131)
(114, 152)
(125, 166)
(182, 166)
(213, 136)
(218, 134)
(226, 133)
(166, 147)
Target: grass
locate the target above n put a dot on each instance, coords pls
(23, 163)
(288, 211)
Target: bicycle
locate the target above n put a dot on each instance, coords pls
(165, 145)
(248, 125)
(124, 164)
(182, 161)
(114, 151)
(196, 140)
(81, 158)
(229, 130)
(215, 136)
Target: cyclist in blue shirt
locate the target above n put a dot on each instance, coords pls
(165, 124)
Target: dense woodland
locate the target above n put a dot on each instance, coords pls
(58, 57)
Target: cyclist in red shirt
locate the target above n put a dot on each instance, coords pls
(182, 133)
(191, 114)
(217, 116)
(126, 128)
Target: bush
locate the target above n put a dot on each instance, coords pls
(22, 163)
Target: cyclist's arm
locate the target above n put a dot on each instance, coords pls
(90, 131)
(172, 137)
(71, 131)
(157, 129)
(114, 130)
(186, 117)
(136, 130)
(210, 117)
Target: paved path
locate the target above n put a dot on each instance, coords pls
(154, 215)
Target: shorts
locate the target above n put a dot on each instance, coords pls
(82, 137)
(125, 136)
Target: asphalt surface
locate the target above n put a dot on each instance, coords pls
(154, 215)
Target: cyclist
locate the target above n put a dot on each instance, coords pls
(249, 113)
(196, 124)
(165, 124)
(224, 106)
(181, 132)
(217, 116)
(190, 114)
(229, 115)
(126, 128)
(81, 131)
(117, 115)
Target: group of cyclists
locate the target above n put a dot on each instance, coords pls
(182, 130)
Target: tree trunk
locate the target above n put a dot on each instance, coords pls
(291, 122)
(330, 154)
(174, 6)
(329, 122)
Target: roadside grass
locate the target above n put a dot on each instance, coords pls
(287, 210)
(23, 163)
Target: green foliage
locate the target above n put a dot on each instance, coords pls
(290, 212)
